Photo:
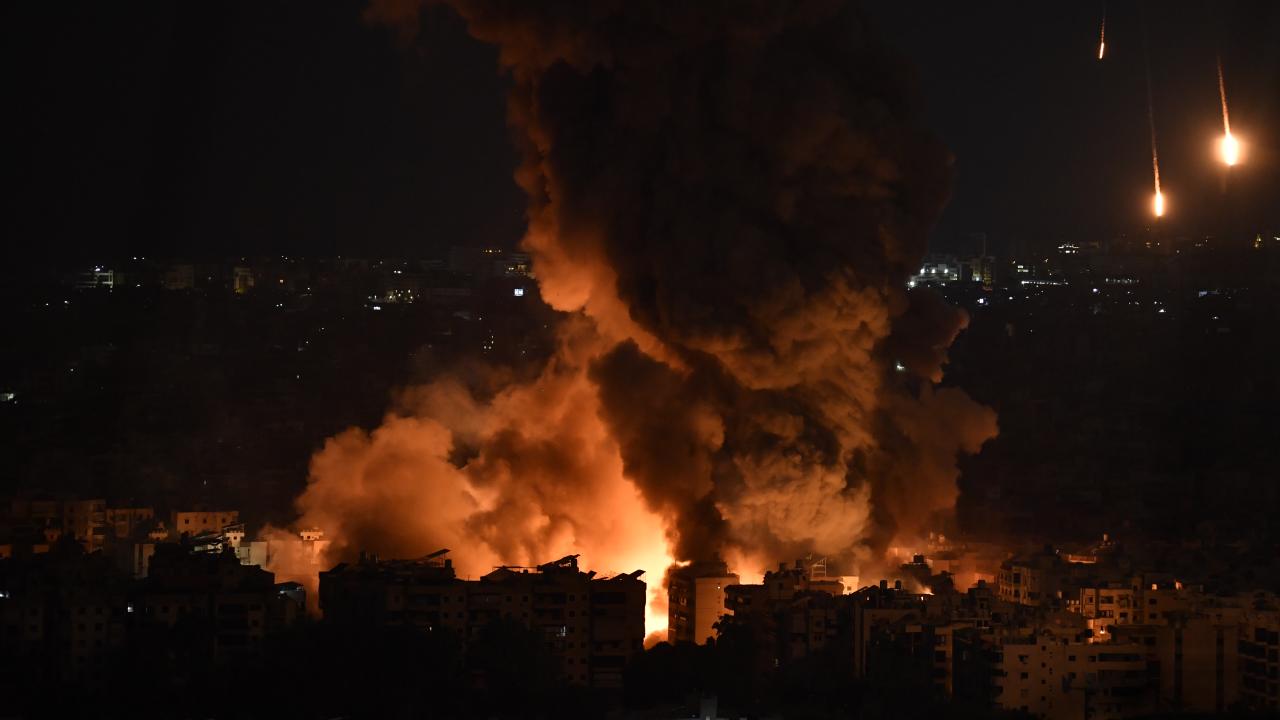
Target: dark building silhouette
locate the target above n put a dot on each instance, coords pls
(591, 626)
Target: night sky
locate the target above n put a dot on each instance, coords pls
(245, 128)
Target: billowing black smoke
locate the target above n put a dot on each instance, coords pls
(733, 194)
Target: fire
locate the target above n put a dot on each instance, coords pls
(677, 416)
(1158, 205)
(1102, 48)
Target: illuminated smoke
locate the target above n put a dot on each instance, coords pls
(521, 476)
(1229, 146)
(725, 201)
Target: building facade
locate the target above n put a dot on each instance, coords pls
(591, 626)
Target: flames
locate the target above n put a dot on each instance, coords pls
(543, 479)
(726, 226)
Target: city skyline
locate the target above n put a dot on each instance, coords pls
(469, 358)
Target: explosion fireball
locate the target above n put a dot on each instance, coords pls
(725, 202)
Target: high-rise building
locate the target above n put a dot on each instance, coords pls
(1061, 679)
(696, 596)
(200, 522)
(1196, 657)
(591, 625)
(1260, 656)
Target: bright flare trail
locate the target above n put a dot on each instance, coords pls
(1157, 205)
(1230, 146)
(1102, 36)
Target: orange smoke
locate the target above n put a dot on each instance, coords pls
(729, 242)
(544, 480)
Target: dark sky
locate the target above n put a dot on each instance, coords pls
(243, 127)
(289, 127)
(1053, 145)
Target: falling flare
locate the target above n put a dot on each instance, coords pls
(1102, 36)
(1230, 149)
(1229, 145)
(1157, 205)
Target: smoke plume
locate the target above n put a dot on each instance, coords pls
(725, 201)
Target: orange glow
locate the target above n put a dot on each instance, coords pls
(1229, 146)
(398, 491)
(1230, 149)
(1102, 49)
(1158, 204)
